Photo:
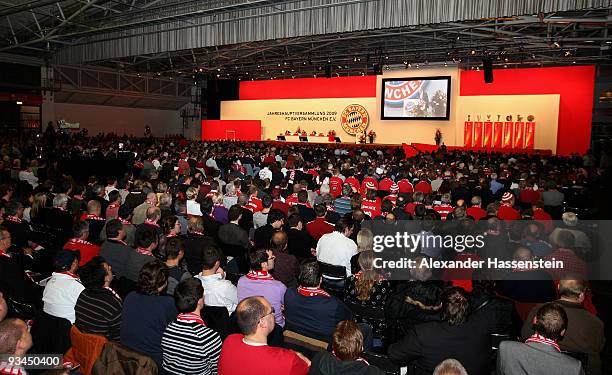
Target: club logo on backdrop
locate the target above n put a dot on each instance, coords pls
(397, 91)
(354, 119)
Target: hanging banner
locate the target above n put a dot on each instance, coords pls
(498, 134)
(519, 128)
(487, 140)
(478, 134)
(467, 133)
(508, 129)
(529, 134)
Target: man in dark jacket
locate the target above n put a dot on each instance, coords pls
(311, 311)
(466, 340)
(114, 250)
(196, 242)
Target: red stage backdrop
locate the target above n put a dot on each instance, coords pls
(240, 130)
(575, 85)
(309, 88)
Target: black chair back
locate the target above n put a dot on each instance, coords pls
(334, 278)
(382, 362)
(217, 319)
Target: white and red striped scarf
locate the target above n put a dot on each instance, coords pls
(190, 317)
(112, 291)
(4, 254)
(144, 251)
(14, 219)
(79, 241)
(6, 368)
(259, 275)
(69, 274)
(150, 222)
(120, 241)
(543, 340)
(312, 292)
(93, 217)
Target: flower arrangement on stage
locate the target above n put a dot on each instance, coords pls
(438, 137)
(361, 137)
(372, 136)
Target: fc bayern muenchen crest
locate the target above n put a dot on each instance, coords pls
(354, 119)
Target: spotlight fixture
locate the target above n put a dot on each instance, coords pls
(473, 52)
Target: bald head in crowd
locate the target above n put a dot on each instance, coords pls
(15, 338)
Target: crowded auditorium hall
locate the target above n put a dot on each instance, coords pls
(292, 187)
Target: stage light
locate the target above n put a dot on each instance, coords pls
(218, 76)
(218, 69)
(247, 73)
(573, 62)
(473, 52)
(279, 64)
(19, 103)
(283, 71)
(258, 66)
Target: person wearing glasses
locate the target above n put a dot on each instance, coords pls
(249, 352)
(259, 282)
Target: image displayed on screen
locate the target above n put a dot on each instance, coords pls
(416, 98)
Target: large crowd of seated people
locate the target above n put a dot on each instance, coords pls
(148, 255)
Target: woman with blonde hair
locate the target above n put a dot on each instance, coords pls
(193, 207)
(365, 242)
(369, 288)
(38, 204)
